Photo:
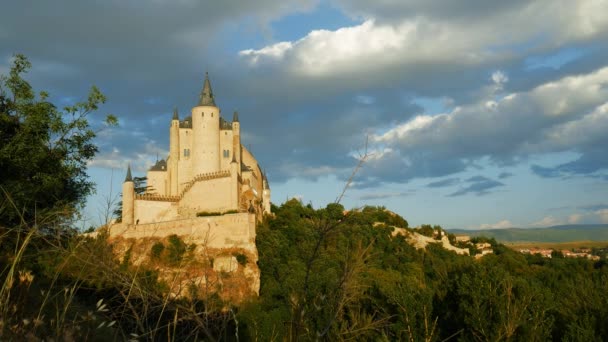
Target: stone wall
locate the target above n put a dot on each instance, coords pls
(226, 231)
(212, 195)
(147, 211)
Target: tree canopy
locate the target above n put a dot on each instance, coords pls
(44, 151)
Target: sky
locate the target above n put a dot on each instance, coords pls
(475, 113)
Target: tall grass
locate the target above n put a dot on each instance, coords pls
(65, 286)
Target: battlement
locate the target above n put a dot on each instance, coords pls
(156, 197)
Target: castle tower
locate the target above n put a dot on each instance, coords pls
(236, 134)
(266, 195)
(173, 155)
(205, 133)
(234, 183)
(128, 197)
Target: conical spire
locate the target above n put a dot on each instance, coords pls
(128, 178)
(206, 97)
(175, 116)
(235, 116)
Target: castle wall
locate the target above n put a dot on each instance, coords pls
(211, 195)
(255, 177)
(147, 211)
(226, 231)
(157, 182)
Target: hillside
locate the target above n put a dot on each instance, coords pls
(564, 233)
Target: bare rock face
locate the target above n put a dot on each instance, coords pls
(420, 241)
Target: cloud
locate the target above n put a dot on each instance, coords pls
(569, 114)
(547, 221)
(443, 183)
(498, 225)
(479, 186)
(594, 207)
(321, 93)
(505, 175)
(575, 218)
(417, 35)
(375, 196)
(603, 215)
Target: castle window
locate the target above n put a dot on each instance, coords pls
(226, 153)
(186, 152)
(211, 114)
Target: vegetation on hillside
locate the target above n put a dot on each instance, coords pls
(331, 276)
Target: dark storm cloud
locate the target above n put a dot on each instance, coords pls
(148, 59)
(590, 163)
(505, 175)
(443, 183)
(594, 207)
(479, 186)
(375, 196)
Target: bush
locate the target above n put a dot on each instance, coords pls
(241, 258)
(175, 250)
(157, 250)
(208, 213)
(215, 213)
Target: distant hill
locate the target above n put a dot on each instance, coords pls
(563, 233)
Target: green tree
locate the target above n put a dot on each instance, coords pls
(44, 152)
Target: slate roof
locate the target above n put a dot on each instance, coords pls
(206, 97)
(161, 165)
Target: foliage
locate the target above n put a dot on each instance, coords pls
(44, 151)
(333, 276)
(175, 249)
(241, 259)
(215, 213)
(157, 250)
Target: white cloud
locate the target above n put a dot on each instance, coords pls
(575, 218)
(498, 225)
(413, 41)
(547, 221)
(519, 124)
(499, 78)
(275, 51)
(603, 215)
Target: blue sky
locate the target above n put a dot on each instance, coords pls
(479, 114)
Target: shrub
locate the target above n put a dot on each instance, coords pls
(176, 249)
(241, 258)
(157, 250)
(208, 213)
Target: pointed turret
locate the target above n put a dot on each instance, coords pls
(235, 116)
(128, 196)
(175, 116)
(206, 97)
(129, 178)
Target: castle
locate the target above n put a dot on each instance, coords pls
(210, 192)
(208, 171)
